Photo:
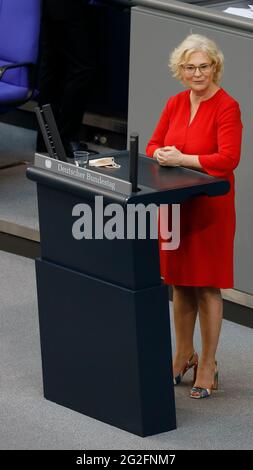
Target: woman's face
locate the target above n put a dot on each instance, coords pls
(198, 79)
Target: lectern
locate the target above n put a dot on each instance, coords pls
(103, 309)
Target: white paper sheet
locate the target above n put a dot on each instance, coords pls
(248, 13)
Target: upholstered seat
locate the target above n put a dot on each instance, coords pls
(19, 40)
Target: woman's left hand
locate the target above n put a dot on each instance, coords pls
(169, 156)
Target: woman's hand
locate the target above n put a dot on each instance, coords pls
(168, 156)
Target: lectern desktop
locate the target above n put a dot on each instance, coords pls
(103, 310)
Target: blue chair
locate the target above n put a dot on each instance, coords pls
(19, 42)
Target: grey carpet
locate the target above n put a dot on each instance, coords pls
(28, 421)
(18, 200)
(17, 143)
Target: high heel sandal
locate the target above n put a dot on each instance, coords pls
(191, 363)
(200, 392)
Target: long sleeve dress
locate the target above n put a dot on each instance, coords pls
(205, 253)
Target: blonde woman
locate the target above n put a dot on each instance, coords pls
(200, 128)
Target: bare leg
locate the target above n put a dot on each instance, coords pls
(210, 317)
(185, 306)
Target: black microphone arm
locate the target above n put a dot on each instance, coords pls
(133, 164)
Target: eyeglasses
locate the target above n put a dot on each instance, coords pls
(191, 69)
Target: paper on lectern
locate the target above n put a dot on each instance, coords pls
(104, 162)
(248, 13)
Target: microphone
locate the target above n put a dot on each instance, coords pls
(133, 164)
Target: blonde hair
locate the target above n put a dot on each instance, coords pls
(196, 43)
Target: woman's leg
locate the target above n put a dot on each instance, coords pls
(185, 306)
(210, 317)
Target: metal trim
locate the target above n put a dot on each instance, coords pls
(238, 297)
(196, 12)
(83, 175)
(20, 231)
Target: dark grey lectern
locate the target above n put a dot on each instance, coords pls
(103, 310)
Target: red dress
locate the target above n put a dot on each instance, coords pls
(205, 254)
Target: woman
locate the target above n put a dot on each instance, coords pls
(200, 128)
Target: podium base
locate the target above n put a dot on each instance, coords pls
(106, 350)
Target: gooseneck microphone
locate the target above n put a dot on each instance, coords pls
(133, 163)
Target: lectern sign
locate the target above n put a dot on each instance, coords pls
(83, 174)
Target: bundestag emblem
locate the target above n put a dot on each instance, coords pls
(48, 163)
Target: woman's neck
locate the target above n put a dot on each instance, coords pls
(197, 97)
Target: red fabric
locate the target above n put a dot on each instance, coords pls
(205, 254)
